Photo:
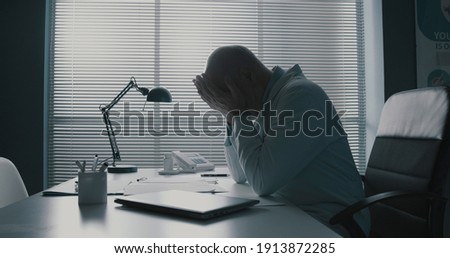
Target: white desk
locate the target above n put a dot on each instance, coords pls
(61, 216)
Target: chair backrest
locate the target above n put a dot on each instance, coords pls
(12, 188)
(411, 152)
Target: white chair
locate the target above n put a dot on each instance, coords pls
(12, 188)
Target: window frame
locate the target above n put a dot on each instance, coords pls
(47, 92)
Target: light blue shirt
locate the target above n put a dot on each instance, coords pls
(316, 172)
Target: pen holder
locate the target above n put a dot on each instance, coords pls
(92, 187)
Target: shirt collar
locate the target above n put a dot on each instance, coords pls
(277, 72)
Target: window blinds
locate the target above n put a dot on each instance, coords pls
(97, 45)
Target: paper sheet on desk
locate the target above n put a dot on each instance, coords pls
(69, 188)
(155, 185)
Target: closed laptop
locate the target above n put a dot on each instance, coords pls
(187, 204)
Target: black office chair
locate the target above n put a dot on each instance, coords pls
(406, 176)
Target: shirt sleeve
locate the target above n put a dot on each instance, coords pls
(233, 160)
(270, 159)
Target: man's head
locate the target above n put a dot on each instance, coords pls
(238, 65)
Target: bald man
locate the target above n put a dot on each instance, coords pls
(283, 134)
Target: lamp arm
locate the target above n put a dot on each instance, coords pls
(112, 138)
(105, 111)
(131, 84)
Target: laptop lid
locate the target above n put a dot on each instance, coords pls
(186, 204)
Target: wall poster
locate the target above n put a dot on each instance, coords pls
(433, 42)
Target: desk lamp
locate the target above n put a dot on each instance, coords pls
(157, 94)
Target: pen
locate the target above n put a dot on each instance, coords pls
(103, 167)
(83, 166)
(213, 175)
(79, 166)
(94, 163)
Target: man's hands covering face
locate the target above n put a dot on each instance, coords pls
(228, 100)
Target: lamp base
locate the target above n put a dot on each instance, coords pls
(123, 169)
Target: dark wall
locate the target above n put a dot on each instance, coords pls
(399, 46)
(22, 87)
(22, 76)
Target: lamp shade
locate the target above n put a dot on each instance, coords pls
(159, 94)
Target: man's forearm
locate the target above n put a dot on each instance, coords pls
(232, 159)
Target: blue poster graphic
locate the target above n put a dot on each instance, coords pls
(433, 42)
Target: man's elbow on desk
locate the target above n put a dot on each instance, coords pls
(260, 190)
(263, 192)
(239, 179)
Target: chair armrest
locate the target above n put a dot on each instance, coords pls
(345, 217)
